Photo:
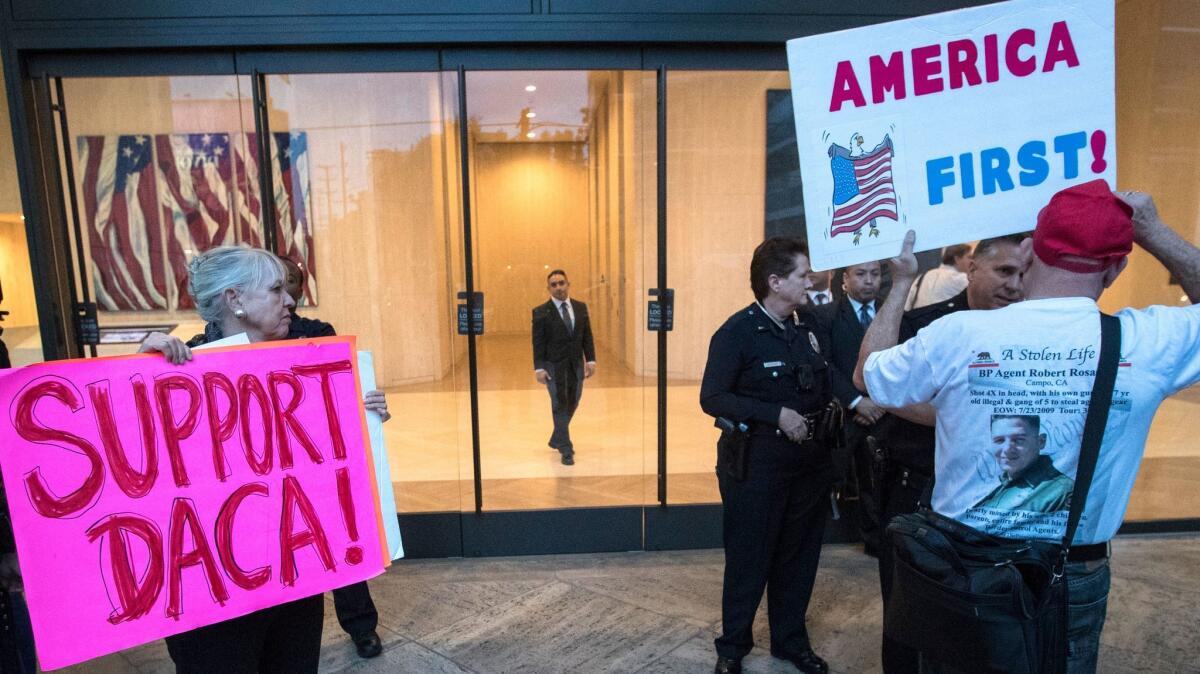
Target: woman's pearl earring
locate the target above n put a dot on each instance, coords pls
(240, 313)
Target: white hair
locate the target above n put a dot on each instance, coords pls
(216, 270)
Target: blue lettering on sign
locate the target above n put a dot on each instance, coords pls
(996, 165)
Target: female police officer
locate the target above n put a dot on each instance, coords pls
(766, 381)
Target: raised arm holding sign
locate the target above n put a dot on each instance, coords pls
(958, 125)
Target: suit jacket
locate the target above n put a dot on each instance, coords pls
(551, 342)
(840, 335)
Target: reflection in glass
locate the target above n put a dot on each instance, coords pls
(367, 166)
(161, 174)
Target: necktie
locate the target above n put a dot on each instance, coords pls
(864, 317)
(822, 298)
(566, 314)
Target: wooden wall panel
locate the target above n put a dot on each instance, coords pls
(15, 273)
(621, 155)
(531, 215)
(716, 134)
(10, 193)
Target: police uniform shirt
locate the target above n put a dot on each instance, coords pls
(758, 365)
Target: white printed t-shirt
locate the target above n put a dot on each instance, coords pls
(1036, 359)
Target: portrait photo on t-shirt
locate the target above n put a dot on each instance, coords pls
(1028, 479)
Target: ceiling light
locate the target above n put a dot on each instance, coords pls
(530, 88)
(530, 134)
(531, 114)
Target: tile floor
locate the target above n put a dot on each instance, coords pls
(658, 612)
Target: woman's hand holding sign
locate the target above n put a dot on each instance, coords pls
(375, 401)
(172, 347)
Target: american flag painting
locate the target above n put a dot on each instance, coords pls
(152, 202)
(289, 153)
(862, 186)
(290, 174)
(195, 193)
(119, 199)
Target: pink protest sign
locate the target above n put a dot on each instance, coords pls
(149, 499)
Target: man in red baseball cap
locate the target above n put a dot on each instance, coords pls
(1039, 357)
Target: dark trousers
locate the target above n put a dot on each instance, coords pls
(16, 636)
(566, 389)
(860, 463)
(355, 611)
(284, 639)
(772, 541)
(898, 492)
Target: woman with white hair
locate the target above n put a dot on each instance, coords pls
(239, 289)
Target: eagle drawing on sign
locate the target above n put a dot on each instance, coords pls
(862, 186)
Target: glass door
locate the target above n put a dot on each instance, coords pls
(563, 197)
(367, 199)
(156, 170)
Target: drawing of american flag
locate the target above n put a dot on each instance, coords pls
(862, 187)
(120, 209)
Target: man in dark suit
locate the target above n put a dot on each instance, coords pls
(563, 356)
(840, 327)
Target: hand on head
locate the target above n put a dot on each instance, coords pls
(1145, 213)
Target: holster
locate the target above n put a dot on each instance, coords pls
(828, 428)
(886, 472)
(733, 451)
(878, 474)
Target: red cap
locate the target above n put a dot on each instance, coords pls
(1085, 221)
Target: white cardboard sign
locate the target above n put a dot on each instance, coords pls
(958, 125)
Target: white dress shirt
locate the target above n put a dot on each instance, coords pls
(815, 296)
(936, 285)
(857, 306)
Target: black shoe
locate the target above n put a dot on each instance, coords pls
(807, 662)
(568, 459)
(727, 666)
(368, 645)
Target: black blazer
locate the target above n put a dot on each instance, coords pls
(840, 335)
(552, 344)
